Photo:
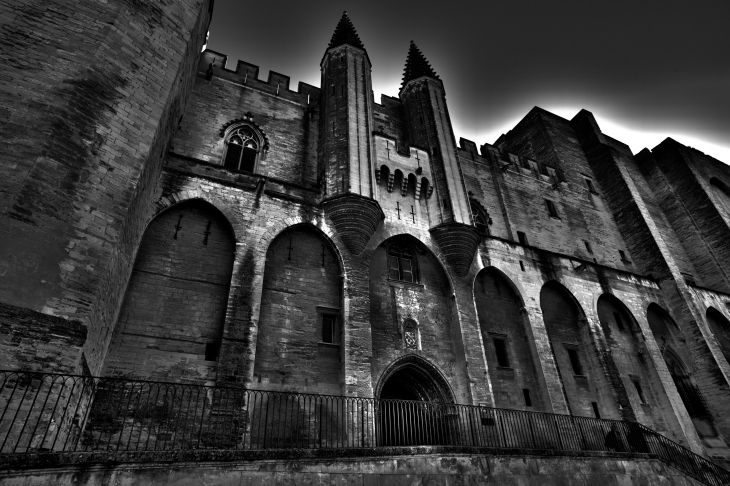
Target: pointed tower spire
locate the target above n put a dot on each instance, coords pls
(345, 34)
(416, 66)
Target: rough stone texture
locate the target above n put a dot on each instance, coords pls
(175, 302)
(427, 303)
(447, 469)
(502, 316)
(32, 341)
(301, 285)
(583, 381)
(91, 93)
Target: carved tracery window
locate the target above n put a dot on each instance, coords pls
(243, 146)
(481, 218)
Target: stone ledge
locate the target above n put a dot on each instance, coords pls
(43, 460)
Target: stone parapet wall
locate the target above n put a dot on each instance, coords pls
(396, 470)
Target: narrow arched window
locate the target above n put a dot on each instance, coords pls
(242, 150)
(402, 264)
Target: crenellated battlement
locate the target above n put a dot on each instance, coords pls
(247, 74)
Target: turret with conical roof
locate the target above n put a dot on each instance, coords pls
(346, 175)
(428, 125)
(417, 66)
(345, 33)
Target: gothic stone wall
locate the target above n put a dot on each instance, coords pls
(91, 92)
(288, 119)
(171, 322)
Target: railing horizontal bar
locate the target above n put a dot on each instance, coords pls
(71, 413)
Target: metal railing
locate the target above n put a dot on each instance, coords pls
(66, 413)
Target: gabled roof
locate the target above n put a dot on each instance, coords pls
(416, 66)
(345, 33)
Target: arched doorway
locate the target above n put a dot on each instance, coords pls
(414, 405)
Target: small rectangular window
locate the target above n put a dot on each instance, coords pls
(329, 327)
(588, 246)
(393, 270)
(622, 255)
(522, 266)
(522, 238)
(595, 410)
(211, 351)
(575, 361)
(619, 321)
(589, 183)
(637, 385)
(526, 393)
(407, 269)
(552, 210)
(500, 348)
(543, 169)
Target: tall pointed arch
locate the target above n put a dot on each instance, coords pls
(720, 326)
(299, 341)
(409, 284)
(510, 357)
(637, 380)
(586, 388)
(171, 322)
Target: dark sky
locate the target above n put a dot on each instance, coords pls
(646, 69)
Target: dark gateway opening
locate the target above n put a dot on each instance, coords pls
(415, 408)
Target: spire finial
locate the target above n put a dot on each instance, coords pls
(416, 66)
(345, 33)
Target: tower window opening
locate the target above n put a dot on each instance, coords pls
(552, 210)
(211, 351)
(522, 237)
(591, 188)
(329, 328)
(575, 361)
(619, 321)
(500, 350)
(595, 410)
(588, 246)
(526, 394)
(639, 390)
